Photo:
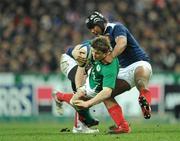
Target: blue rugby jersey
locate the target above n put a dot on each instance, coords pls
(133, 51)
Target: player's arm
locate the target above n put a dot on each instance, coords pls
(79, 95)
(79, 81)
(77, 55)
(120, 33)
(80, 77)
(121, 42)
(101, 96)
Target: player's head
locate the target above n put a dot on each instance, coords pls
(96, 23)
(100, 47)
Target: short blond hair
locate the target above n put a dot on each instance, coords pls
(101, 43)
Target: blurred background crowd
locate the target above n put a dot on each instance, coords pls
(34, 33)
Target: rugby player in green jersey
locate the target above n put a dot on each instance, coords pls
(99, 84)
(101, 77)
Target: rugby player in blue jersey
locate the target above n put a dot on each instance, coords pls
(135, 70)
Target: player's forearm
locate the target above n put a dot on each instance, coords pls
(101, 96)
(120, 46)
(80, 77)
(76, 96)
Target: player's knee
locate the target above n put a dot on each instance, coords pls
(141, 76)
(142, 72)
(110, 102)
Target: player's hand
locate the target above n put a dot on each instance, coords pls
(81, 104)
(79, 55)
(108, 58)
(80, 59)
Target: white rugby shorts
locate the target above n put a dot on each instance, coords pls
(127, 73)
(66, 64)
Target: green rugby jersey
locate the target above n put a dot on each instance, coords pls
(103, 75)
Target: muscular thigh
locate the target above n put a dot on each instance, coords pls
(121, 86)
(67, 63)
(130, 73)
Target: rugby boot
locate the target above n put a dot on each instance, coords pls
(145, 107)
(123, 128)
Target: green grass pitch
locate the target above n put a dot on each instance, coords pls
(50, 131)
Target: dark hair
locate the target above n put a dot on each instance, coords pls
(101, 43)
(96, 18)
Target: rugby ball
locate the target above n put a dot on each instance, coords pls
(85, 52)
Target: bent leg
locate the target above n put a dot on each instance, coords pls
(114, 110)
(69, 68)
(116, 114)
(141, 77)
(121, 86)
(84, 115)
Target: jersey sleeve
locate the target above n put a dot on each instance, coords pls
(110, 74)
(119, 30)
(69, 51)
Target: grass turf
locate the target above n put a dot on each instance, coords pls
(50, 131)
